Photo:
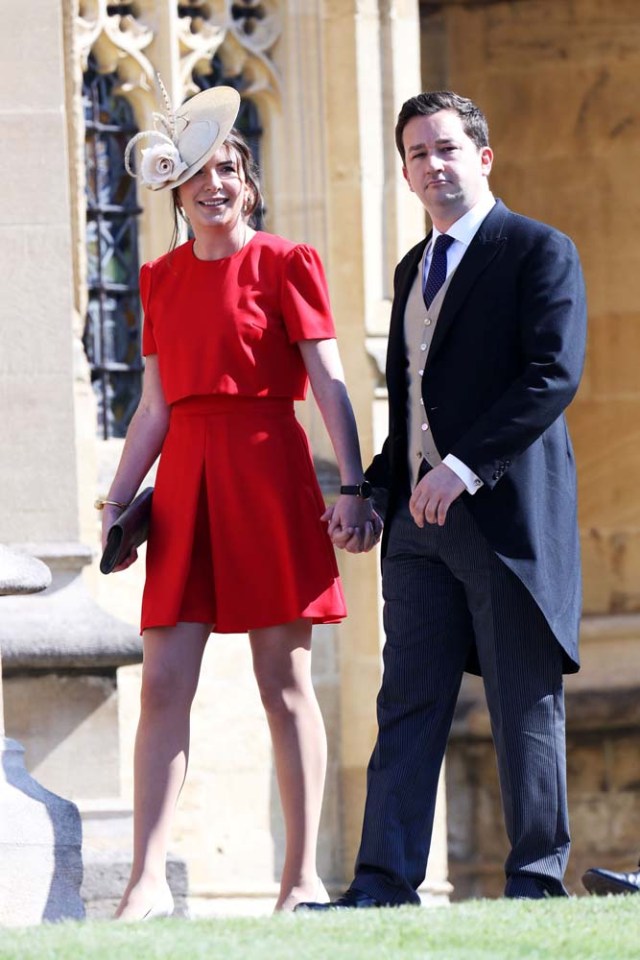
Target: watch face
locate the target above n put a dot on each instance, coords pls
(365, 490)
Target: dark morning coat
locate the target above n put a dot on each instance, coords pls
(504, 363)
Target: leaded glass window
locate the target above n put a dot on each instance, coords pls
(113, 322)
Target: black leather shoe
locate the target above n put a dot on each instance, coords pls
(601, 882)
(351, 900)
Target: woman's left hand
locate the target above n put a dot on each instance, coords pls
(354, 525)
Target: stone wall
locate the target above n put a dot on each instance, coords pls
(558, 81)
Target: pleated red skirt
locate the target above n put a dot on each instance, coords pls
(236, 538)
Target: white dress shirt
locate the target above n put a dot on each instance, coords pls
(463, 231)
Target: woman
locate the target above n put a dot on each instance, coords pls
(235, 324)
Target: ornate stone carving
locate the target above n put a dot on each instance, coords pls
(117, 37)
(201, 31)
(256, 23)
(241, 33)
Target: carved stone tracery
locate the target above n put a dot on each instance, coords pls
(117, 35)
(241, 34)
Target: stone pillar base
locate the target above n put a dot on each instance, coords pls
(40, 848)
(435, 894)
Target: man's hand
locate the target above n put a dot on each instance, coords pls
(353, 525)
(434, 495)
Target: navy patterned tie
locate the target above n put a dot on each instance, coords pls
(438, 268)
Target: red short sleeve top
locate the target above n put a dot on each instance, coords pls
(232, 325)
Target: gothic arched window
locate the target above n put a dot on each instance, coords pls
(113, 323)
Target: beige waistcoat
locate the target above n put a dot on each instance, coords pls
(419, 327)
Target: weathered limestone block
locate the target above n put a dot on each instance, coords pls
(21, 573)
(71, 737)
(40, 848)
(40, 833)
(64, 628)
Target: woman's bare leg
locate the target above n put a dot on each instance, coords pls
(170, 672)
(282, 666)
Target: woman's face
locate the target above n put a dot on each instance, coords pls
(216, 194)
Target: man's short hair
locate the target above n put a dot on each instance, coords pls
(473, 119)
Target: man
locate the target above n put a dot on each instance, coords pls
(602, 882)
(481, 566)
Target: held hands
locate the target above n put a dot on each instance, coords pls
(354, 525)
(433, 496)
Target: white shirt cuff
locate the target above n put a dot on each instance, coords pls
(468, 477)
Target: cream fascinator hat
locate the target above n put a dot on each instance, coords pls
(182, 142)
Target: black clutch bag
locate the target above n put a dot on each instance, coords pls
(130, 530)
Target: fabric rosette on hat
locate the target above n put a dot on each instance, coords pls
(185, 140)
(160, 164)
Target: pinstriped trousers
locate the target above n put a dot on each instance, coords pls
(444, 590)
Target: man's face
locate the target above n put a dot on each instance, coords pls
(443, 166)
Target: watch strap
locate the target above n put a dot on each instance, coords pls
(362, 490)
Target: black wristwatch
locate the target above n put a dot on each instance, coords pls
(362, 490)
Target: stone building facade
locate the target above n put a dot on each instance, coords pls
(557, 79)
(322, 81)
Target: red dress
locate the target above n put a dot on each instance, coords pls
(236, 538)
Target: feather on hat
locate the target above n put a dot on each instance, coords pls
(184, 140)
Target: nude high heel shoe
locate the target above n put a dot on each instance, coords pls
(322, 896)
(163, 907)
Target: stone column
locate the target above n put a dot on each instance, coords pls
(61, 651)
(40, 833)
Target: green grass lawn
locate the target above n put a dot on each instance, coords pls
(581, 928)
